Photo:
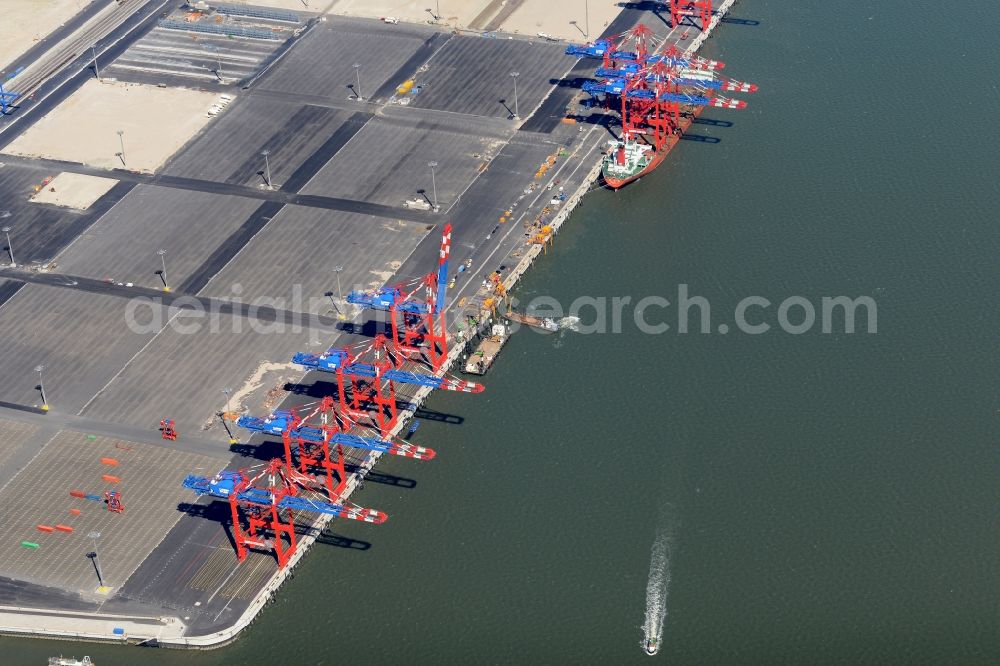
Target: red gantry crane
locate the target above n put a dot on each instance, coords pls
(691, 9)
(312, 446)
(362, 384)
(417, 325)
(263, 507)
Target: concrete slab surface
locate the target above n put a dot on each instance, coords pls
(472, 75)
(387, 162)
(38, 233)
(336, 156)
(202, 586)
(182, 372)
(156, 122)
(229, 150)
(81, 339)
(123, 244)
(74, 190)
(19, 443)
(150, 483)
(292, 259)
(322, 63)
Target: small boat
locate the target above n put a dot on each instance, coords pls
(651, 647)
(70, 661)
(542, 323)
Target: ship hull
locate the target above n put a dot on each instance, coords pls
(616, 183)
(541, 323)
(658, 156)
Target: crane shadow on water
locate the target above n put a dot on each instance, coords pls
(340, 541)
(733, 20)
(701, 120)
(441, 417)
(700, 138)
(383, 478)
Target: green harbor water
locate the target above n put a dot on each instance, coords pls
(832, 498)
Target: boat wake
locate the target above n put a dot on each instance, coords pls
(657, 588)
(569, 324)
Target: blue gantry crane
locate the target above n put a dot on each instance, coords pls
(685, 77)
(268, 512)
(283, 422)
(6, 98)
(375, 383)
(339, 361)
(619, 87)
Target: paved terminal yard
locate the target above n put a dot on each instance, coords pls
(122, 244)
(346, 184)
(149, 476)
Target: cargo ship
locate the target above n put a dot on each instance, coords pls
(628, 160)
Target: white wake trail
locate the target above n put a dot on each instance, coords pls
(569, 323)
(657, 589)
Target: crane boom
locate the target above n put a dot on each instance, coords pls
(280, 422)
(596, 49)
(385, 299)
(225, 484)
(689, 77)
(602, 48)
(617, 87)
(334, 360)
(442, 274)
(672, 61)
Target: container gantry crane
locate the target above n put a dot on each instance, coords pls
(621, 86)
(268, 512)
(286, 422)
(6, 99)
(320, 447)
(616, 58)
(424, 324)
(705, 79)
(374, 383)
(681, 9)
